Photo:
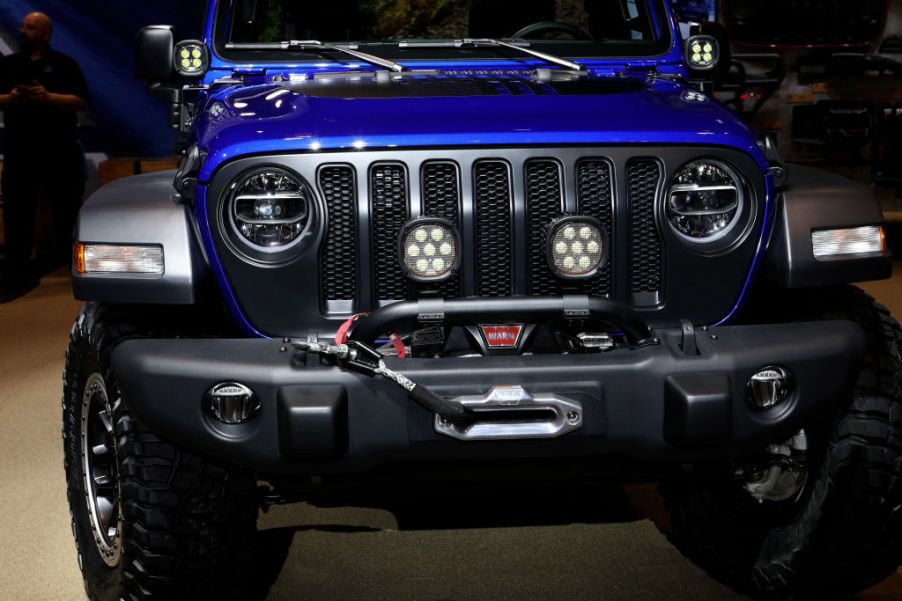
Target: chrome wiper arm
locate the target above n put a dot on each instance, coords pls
(490, 42)
(317, 45)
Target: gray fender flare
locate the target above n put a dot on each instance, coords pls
(142, 210)
(812, 200)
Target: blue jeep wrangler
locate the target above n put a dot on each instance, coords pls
(414, 241)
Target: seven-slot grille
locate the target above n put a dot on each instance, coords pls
(503, 254)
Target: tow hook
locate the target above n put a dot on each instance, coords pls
(358, 357)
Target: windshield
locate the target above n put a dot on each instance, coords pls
(566, 27)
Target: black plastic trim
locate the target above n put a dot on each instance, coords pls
(404, 316)
(622, 392)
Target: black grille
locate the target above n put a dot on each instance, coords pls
(492, 195)
(338, 260)
(493, 225)
(388, 193)
(643, 177)
(441, 198)
(543, 201)
(594, 196)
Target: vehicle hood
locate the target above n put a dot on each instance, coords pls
(369, 112)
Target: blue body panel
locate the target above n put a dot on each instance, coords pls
(264, 119)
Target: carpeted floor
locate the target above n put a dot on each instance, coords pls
(603, 545)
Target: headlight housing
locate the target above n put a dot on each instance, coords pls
(269, 209)
(576, 247)
(429, 249)
(705, 201)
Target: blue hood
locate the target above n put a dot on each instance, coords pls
(460, 110)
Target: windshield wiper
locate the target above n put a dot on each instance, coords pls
(317, 45)
(492, 43)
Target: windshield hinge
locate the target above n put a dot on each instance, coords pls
(249, 71)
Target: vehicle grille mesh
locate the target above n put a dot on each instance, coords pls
(441, 198)
(595, 197)
(492, 197)
(544, 204)
(338, 259)
(501, 210)
(388, 194)
(643, 177)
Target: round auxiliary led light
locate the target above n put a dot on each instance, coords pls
(429, 249)
(576, 247)
(191, 58)
(269, 209)
(705, 201)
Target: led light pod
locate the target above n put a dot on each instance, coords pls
(191, 58)
(576, 247)
(702, 52)
(429, 249)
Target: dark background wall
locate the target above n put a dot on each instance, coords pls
(100, 35)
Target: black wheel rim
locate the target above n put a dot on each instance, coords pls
(100, 470)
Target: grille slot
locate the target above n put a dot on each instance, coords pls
(441, 198)
(492, 196)
(388, 194)
(544, 198)
(643, 177)
(595, 197)
(338, 259)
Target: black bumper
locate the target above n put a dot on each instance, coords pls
(653, 404)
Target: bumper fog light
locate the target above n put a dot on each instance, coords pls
(769, 387)
(232, 403)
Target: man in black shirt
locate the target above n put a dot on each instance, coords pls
(41, 90)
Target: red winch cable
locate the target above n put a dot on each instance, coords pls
(341, 336)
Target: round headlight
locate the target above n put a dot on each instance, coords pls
(269, 209)
(576, 247)
(705, 201)
(429, 249)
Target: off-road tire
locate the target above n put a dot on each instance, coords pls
(844, 533)
(188, 523)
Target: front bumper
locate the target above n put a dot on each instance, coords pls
(654, 404)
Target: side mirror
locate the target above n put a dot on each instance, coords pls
(155, 53)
